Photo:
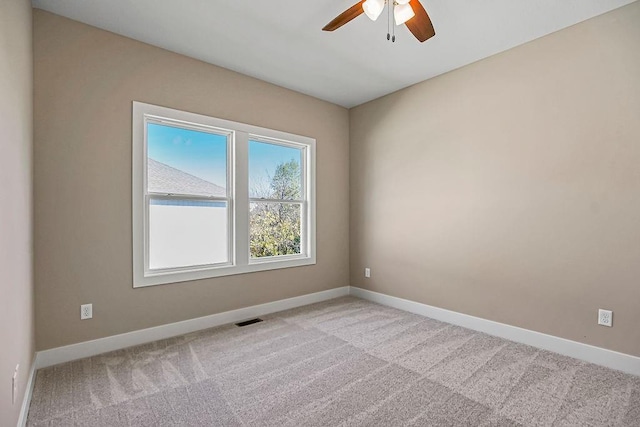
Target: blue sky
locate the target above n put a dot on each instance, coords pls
(204, 155)
(197, 153)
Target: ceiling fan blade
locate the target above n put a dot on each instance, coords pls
(420, 25)
(346, 16)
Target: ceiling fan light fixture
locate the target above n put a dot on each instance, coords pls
(373, 8)
(402, 13)
(408, 12)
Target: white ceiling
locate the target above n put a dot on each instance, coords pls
(281, 41)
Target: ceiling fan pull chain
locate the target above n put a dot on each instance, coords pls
(392, 7)
(393, 27)
(388, 20)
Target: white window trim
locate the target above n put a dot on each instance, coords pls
(238, 182)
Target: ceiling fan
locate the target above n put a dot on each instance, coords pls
(408, 12)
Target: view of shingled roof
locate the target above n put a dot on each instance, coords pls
(163, 178)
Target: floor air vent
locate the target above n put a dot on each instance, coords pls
(249, 322)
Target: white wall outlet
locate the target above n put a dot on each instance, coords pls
(14, 385)
(367, 272)
(605, 317)
(86, 311)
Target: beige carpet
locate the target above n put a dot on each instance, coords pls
(343, 362)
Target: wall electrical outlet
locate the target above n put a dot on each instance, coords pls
(605, 317)
(86, 311)
(14, 385)
(367, 272)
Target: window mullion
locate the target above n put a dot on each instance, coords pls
(241, 197)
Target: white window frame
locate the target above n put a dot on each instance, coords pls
(237, 196)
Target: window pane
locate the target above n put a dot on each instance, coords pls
(274, 229)
(275, 171)
(184, 161)
(186, 233)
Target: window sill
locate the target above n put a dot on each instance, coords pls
(162, 278)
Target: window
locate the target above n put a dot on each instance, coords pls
(214, 198)
(276, 195)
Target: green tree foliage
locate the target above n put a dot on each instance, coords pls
(285, 183)
(275, 227)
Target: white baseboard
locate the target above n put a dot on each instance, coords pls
(81, 350)
(611, 359)
(26, 399)
(600, 356)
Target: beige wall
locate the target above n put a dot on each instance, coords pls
(85, 80)
(16, 285)
(510, 189)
